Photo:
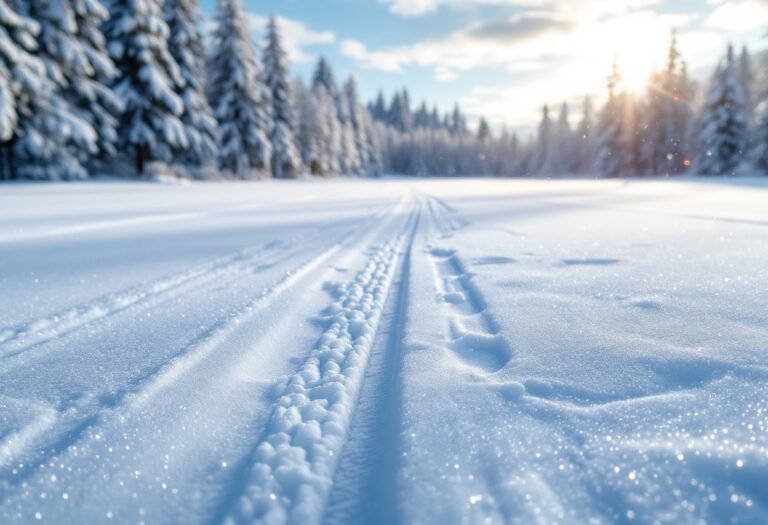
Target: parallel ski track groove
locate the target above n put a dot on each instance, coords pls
(291, 473)
(152, 381)
(18, 339)
(365, 485)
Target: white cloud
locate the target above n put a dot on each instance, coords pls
(409, 8)
(505, 44)
(739, 15)
(296, 36)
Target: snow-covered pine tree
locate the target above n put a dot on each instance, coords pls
(400, 116)
(187, 48)
(327, 100)
(74, 49)
(563, 150)
(378, 109)
(542, 154)
(237, 95)
(53, 141)
(585, 143)
(359, 128)
(483, 145)
(312, 133)
(148, 82)
(759, 155)
(484, 131)
(349, 158)
(746, 79)
(664, 150)
(615, 134)
(286, 159)
(331, 147)
(375, 155)
(723, 136)
(323, 76)
(458, 123)
(22, 79)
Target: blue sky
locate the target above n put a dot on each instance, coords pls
(505, 58)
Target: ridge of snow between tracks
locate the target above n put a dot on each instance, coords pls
(295, 462)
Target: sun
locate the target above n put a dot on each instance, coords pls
(638, 43)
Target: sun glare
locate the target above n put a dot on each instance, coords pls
(638, 43)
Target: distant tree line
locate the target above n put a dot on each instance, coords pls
(673, 128)
(126, 85)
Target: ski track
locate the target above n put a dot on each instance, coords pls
(296, 459)
(365, 486)
(61, 428)
(139, 220)
(15, 340)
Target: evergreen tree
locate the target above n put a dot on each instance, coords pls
(374, 166)
(400, 116)
(337, 144)
(237, 95)
(723, 137)
(379, 108)
(760, 150)
(54, 140)
(484, 131)
(542, 154)
(331, 145)
(148, 82)
(349, 156)
(563, 150)
(23, 79)
(746, 79)
(286, 160)
(324, 76)
(360, 128)
(615, 144)
(665, 146)
(458, 123)
(312, 133)
(74, 49)
(585, 146)
(187, 48)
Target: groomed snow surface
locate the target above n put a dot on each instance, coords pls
(384, 352)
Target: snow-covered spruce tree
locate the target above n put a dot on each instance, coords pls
(563, 152)
(74, 50)
(723, 136)
(326, 99)
(187, 48)
(746, 79)
(759, 155)
(542, 154)
(615, 151)
(327, 111)
(665, 148)
(311, 133)
(400, 116)
(349, 158)
(585, 144)
(360, 128)
(51, 141)
(375, 156)
(237, 95)
(22, 79)
(286, 159)
(148, 82)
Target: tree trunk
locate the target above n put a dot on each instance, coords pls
(140, 160)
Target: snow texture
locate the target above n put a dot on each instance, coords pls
(384, 351)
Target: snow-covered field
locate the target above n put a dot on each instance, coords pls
(361, 352)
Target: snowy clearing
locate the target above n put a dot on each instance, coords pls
(379, 352)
